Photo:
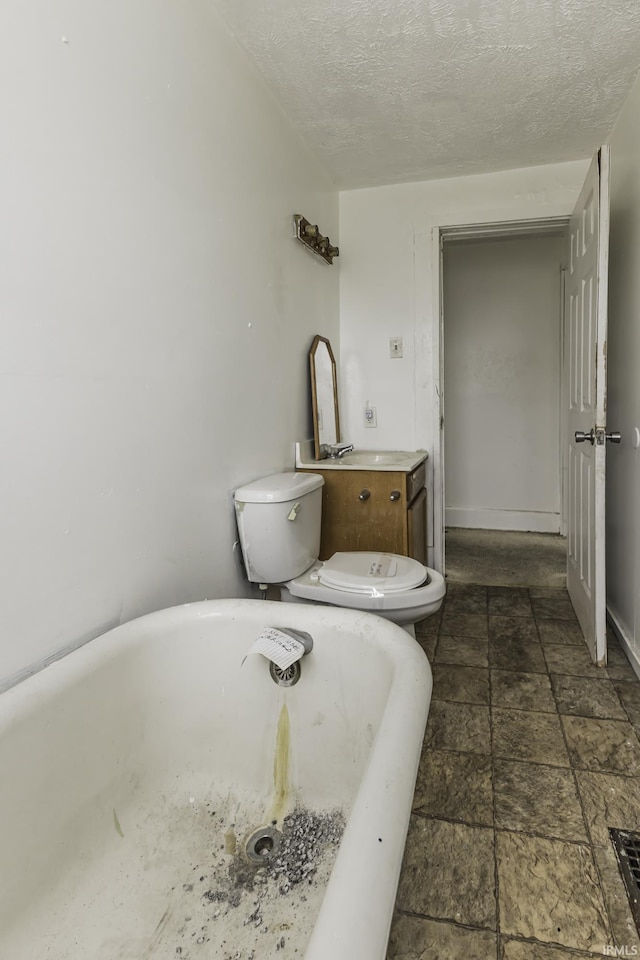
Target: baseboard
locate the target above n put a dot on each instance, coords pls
(624, 639)
(482, 519)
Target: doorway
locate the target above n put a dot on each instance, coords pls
(502, 387)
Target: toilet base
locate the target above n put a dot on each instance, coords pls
(408, 626)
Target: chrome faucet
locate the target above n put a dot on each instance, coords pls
(338, 450)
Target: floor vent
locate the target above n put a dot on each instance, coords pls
(627, 847)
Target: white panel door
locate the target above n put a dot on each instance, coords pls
(585, 339)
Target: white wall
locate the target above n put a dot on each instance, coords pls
(623, 383)
(156, 312)
(502, 358)
(387, 272)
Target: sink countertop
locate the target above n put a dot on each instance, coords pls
(391, 461)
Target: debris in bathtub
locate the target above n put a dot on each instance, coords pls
(251, 909)
(116, 823)
(305, 838)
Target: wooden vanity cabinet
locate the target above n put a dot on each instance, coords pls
(374, 510)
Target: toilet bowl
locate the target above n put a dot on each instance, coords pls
(279, 526)
(354, 587)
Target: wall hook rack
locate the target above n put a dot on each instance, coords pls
(309, 234)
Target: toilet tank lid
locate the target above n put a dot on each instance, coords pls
(278, 488)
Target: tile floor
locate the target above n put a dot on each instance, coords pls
(530, 754)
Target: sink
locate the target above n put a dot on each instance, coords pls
(392, 461)
(368, 458)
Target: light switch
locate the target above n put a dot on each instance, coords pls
(395, 348)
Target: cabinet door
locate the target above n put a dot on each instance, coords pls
(417, 527)
(359, 514)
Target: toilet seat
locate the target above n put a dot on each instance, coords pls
(309, 586)
(371, 574)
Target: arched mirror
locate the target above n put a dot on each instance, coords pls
(324, 396)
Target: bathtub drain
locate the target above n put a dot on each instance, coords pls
(287, 677)
(263, 845)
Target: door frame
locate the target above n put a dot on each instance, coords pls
(497, 230)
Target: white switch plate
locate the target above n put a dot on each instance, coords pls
(395, 348)
(370, 417)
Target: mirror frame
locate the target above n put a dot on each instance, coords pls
(317, 340)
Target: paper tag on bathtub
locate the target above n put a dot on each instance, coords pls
(383, 567)
(278, 647)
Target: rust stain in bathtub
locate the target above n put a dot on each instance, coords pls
(230, 842)
(281, 766)
(116, 823)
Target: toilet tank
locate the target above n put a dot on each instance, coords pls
(279, 525)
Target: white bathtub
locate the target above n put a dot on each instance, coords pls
(132, 767)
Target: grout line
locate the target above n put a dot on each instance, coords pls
(447, 920)
(531, 834)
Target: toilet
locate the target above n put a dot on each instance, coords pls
(279, 527)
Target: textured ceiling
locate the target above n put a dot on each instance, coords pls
(387, 91)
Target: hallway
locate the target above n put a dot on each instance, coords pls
(530, 754)
(508, 558)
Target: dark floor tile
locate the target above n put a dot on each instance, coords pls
(574, 661)
(430, 626)
(448, 872)
(513, 690)
(476, 591)
(549, 892)
(533, 737)
(466, 604)
(629, 694)
(608, 801)
(464, 625)
(416, 938)
(509, 602)
(585, 697)
(551, 608)
(462, 684)
(458, 726)
(607, 746)
(506, 591)
(454, 786)
(468, 651)
(428, 644)
(522, 629)
(533, 798)
(618, 666)
(561, 631)
(516, 655)
(548, 593)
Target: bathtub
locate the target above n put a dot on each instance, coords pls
(134, 769)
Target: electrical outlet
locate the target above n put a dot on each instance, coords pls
(370, 416)
(395, 348)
